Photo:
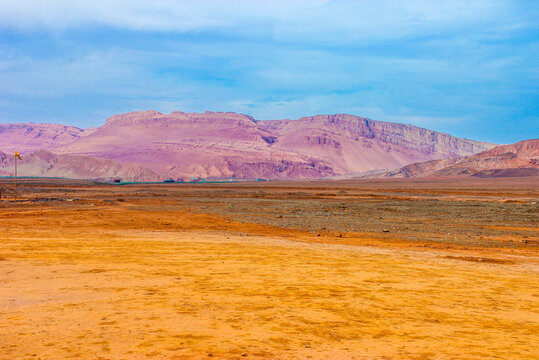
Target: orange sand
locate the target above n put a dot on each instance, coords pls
(107, 282)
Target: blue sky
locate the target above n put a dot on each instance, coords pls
(469, 68)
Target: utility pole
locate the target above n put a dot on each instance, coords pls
(15, 179)
(17, 156)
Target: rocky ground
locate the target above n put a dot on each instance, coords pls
(445, 220)
(395, 269)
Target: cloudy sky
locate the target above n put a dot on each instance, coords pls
(467, 67)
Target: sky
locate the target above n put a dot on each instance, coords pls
(466, 67)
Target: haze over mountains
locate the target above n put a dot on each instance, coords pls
(154, 146)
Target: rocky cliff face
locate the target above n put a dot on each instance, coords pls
(225, 145)
(354, 144)
(411, 137)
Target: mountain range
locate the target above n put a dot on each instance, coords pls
(149, 145)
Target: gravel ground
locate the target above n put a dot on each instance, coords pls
(480, 223)
(469, 212)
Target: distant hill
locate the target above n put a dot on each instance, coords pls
(31, 136)
(225, 145)
(44, 163)
(519, 159)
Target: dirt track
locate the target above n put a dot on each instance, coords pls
(247, 271)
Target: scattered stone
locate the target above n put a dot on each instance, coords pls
(385, 230)
(279, 216)
(307, 346)
(104, 203)
(244, 354)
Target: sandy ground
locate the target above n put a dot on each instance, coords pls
(147, 273)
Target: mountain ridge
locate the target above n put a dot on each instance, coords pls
(232, 145)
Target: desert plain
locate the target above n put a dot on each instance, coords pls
(380, 269)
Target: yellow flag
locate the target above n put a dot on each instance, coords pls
(17, 155)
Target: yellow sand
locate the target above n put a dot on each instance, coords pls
(139, 294)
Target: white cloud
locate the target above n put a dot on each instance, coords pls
(101, 71)
(291, 20)
(431, 63)
(160, 15)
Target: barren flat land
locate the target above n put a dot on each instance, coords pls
(393, 269)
